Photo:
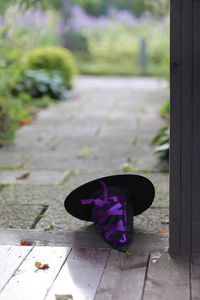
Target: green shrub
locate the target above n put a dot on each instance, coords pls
(53, 59)
(38, 83)
(12, 113)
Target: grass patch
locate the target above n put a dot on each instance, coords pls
(89, 66)
(2, 186)
(6, 168)
(67, 177)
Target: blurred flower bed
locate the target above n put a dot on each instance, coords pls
(120, 43)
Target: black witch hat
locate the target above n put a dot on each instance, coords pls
(111, 202)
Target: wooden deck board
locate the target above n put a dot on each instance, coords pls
(80, 274)
(29, 282)
(97, 272)
(167, 278)
(10, 259)
(123, 277)
(195, 277)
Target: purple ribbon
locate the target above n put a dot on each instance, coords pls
(115, 210)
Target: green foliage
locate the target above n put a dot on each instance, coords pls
(161, 140)
(36, 28)
(165, 109)
(99, 7)
(157, 7)
(115, 49)
(11, 114)
(38, 83)
(26, 4)
(53, 59)
(112, 44)
(158, 47)
(96, 7)
(16, 38)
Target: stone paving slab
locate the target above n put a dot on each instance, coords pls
(12, 160)
(19, 215)
(148, 222)
(99, 156)
(32, 177)
(45, 195)
(135, 83)
(57, 218)
(106, 127)
(154, 220)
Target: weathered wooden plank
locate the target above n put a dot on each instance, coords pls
(142, 241)
(10, 259)
(123, 277)
(31, 283)
(81, 274)
(167, 278)
(195, 277)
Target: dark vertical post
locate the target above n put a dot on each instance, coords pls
(196, 130)
(175, 132)
(185, 128)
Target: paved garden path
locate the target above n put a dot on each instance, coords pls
(104, 128)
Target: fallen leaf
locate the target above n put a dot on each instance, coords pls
(164, 222)
(25, 243)
(71, 118)
(41, 266)
(113, 121)
(42, 136)
(23, 176)
(52, 146)
(76, 172)
(161, 232)
(26, 121)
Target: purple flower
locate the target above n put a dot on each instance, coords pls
(122, 16)
(30, 19)
(80, 19)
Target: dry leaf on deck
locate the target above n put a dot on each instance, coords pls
(39, 265)
(25, 243)
(23, 176)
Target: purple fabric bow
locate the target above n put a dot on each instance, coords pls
(113, 210)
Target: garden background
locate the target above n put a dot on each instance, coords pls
(45, 44)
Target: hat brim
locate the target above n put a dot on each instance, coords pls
(140, 189)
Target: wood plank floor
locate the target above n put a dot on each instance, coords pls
(95, 273)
